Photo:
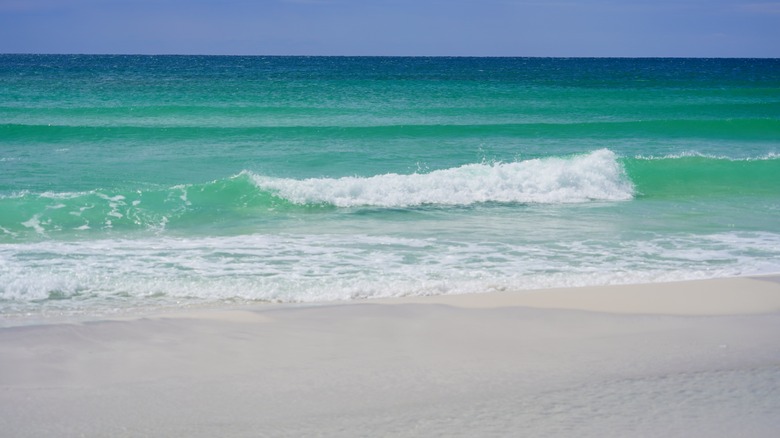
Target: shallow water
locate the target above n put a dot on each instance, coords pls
(143, 181)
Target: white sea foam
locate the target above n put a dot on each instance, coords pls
(696, 154)
(98, 274)
(15, 195)
(62, 195)
(594, 176)
(35, 223)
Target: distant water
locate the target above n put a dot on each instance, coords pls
(140, 182)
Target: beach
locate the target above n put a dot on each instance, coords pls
(698, 358)
(243, 246)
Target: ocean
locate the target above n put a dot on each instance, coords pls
(138, 183)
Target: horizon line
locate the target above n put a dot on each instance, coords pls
(382, 56)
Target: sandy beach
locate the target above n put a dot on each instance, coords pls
(698, 358)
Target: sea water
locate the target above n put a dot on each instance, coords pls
(143, 182)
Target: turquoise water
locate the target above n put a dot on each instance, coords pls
(138, 182)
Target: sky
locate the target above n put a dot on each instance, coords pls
(632, 28)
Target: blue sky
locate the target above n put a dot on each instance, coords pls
(698, 28)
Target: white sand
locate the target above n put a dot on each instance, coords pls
(684, 359)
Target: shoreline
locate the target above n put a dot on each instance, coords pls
(758, 294)
(565, 362)
(715, 296)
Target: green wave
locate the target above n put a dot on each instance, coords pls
(239, 200)
(212, 204)
(688, 177)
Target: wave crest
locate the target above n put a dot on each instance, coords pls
(594, 176)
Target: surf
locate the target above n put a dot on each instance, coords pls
(595, 176)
